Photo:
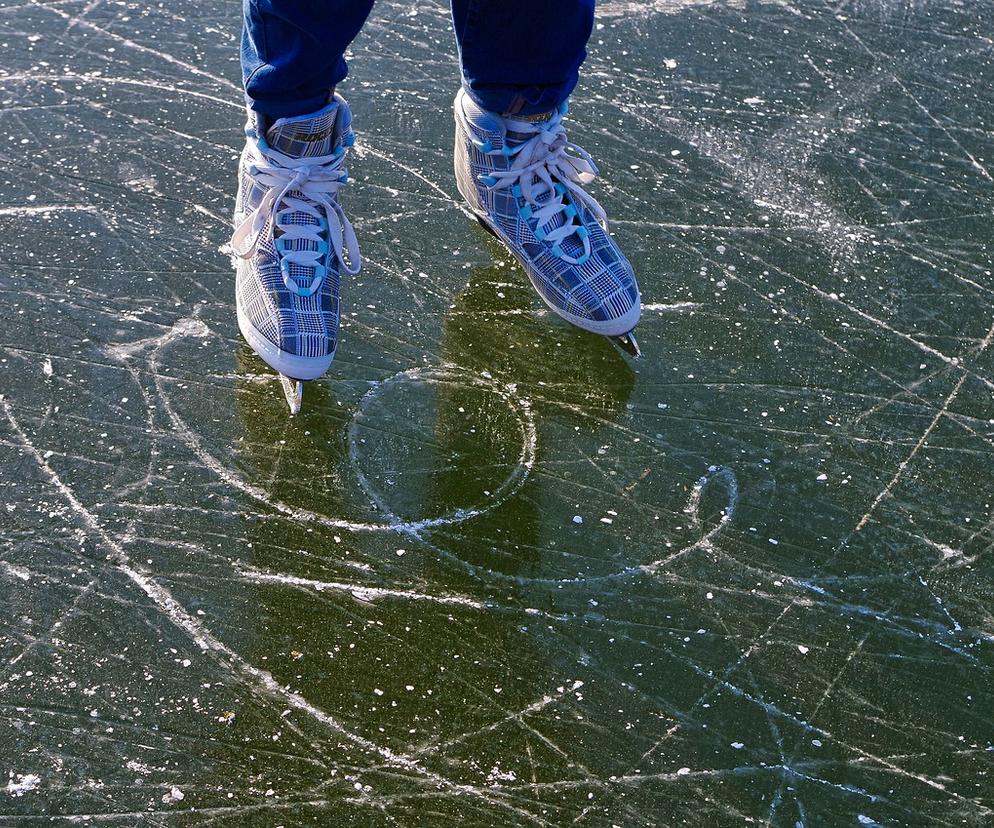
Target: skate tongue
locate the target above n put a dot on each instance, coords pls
(306, 136)
(499, 129)
(520, 130)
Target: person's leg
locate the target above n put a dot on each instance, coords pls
(292, 51)
(521, 57)
(292, 241)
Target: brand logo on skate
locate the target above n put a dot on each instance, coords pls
(310, 137)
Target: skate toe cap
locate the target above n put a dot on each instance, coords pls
(607, 302)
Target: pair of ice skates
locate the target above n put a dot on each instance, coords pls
(522, 179)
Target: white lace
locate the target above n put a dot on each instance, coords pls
(318, 179)
(539, 162)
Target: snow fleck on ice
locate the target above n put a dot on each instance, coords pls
(496, 776)
(173, 795)
(23, 784)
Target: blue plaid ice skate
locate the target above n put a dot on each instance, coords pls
(291, 239)
(524, 180)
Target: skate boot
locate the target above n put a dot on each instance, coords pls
(523, 180)
(292, 242)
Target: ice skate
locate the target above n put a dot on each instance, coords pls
(524, 182)
(292, 242)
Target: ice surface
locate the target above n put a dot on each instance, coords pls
(495, 573)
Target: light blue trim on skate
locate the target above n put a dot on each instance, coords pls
(320, 273)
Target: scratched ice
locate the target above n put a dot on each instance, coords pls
(495, 573)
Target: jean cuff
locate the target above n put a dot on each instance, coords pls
(518, 100)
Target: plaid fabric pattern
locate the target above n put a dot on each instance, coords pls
(602, 289)
(304, 326)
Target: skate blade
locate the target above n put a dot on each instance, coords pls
(293, 390)
(486, 226)
(629, 344)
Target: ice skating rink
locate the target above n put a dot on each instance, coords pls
(496, 572)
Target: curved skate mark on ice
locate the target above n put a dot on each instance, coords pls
(192, 326)
(449, 374)
(417, 530)
(724, 476)
(715, 475)
(185, 327)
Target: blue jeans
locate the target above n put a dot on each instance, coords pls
(517, 56)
